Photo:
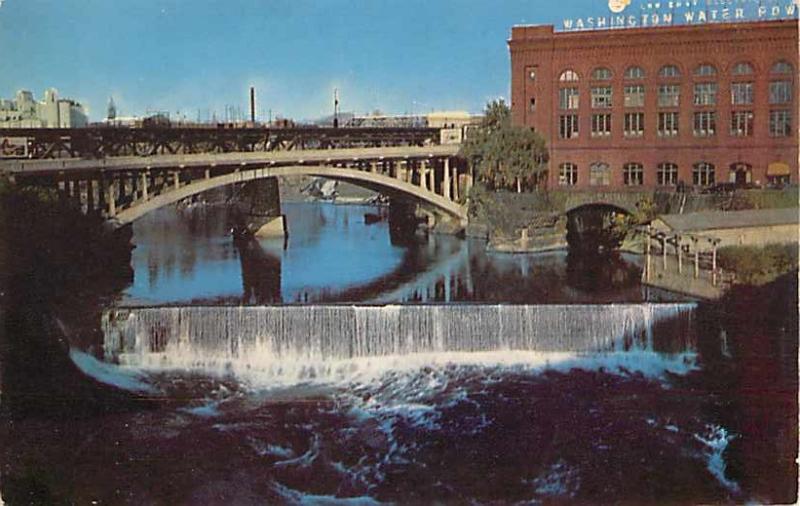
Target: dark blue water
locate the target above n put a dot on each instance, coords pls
(333, 255)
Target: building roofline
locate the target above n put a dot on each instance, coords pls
(740, 25)
(722, 220)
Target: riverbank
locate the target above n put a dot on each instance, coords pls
(59, 267)
(755, 360)
(759, 265)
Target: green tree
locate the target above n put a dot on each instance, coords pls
(503, 155)
(496, 115)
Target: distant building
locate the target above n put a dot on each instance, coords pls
(451, 119)
(25, 112)
(439, 119)
(453, 125)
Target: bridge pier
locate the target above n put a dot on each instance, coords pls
(400, 170)
(89, 196)
(128, 189)
(73, 193)
(101, 195)
(134, 181)
(456, 188)
(111, 200)
(446, 190)
(423, 175)
(145, 180)
(119, 191)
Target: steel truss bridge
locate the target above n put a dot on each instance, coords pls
(112, 141)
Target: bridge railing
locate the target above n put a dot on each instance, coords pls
(108, 141)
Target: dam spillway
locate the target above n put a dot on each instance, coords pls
(181, 337)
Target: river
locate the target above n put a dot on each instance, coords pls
(348, 366)
(333, 256)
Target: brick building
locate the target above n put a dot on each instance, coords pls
(648, 107)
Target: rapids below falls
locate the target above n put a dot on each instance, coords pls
(331, 404)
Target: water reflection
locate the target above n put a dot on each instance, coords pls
(261, 273)
(332, 255)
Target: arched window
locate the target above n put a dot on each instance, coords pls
(569, 76)
(568, 98)
(599, 174)
(742, 69)
(634, 73)
(705, 70)
(601, 74)
(669, 71)
(568, 174)
(780, 92)
(667, 174)
(633, 174)
(782, 67)
(703, 174)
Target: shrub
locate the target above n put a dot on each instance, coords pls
(759, 264)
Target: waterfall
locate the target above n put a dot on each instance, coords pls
(277, 337)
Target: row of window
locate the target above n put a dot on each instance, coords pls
(668, 71)
(742, 124)
(703, 174)
(669, 95)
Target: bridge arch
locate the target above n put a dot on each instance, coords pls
(619, 206)
(371, 180)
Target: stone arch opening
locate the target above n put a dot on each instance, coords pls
(596, 227)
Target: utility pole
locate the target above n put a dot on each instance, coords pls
(253, 104)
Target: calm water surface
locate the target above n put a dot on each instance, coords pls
(332, 255)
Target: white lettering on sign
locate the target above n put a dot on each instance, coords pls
(667, 13)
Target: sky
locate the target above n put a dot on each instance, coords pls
(397, 56)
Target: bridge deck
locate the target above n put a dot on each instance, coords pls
(243, 159)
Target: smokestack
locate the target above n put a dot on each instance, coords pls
(335, 108)
(252, 104)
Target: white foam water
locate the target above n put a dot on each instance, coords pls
(295, 497)
(284, 345)
(715, 441)
(109, 374)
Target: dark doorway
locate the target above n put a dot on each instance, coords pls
(741, 174)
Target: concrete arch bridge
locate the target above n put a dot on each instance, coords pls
(124, 189)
